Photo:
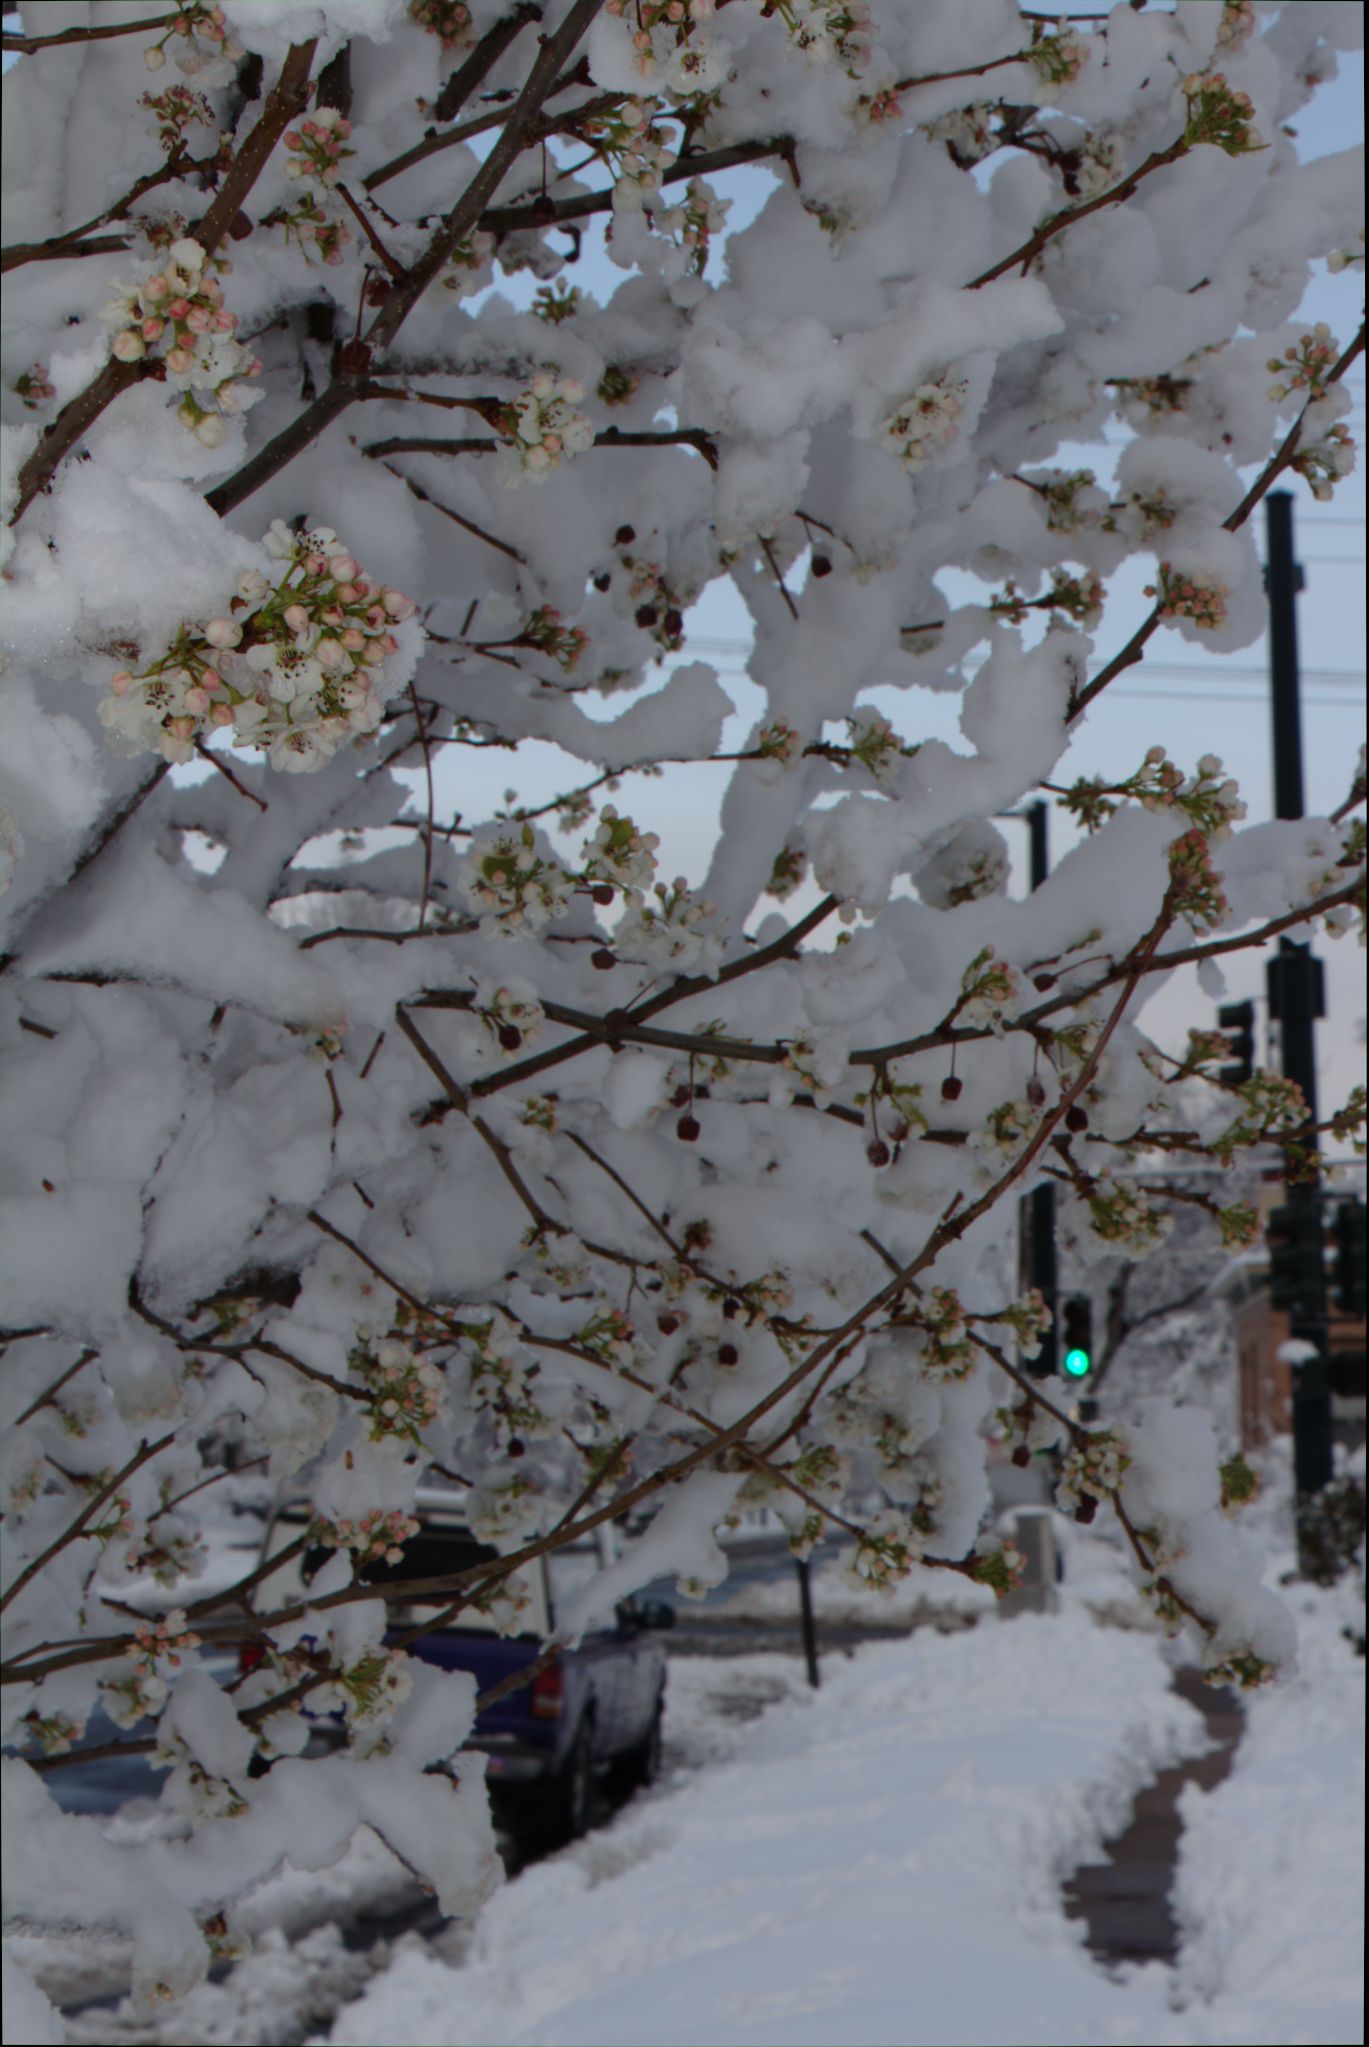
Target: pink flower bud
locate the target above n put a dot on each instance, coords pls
(291, 139)
(153, 329)
(373, 654)
(128, 345)
(296, 617)
(182, 728)
(343, 567)
(398, 605)
(352, 640)
(178, 360)
(178, 308)
(348, 592)
(155, 289)
(121, 683)
(197, 701)
(223, 632)
(221, 714)
(375, 616)
(388, 643)
(199, 319)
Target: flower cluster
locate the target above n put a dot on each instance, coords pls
(1006, 1130)
(823, 30)
(618, 855)
(1237, 25)
(500, 1370)
(448, 20)
(780, 742)
(377, 1537)
(1305, 364)
(543, 428)
(609, 1337)
(637, 153)
(369, 1691)
(787, 874)
(1219, 116)
(469, 265)
(1195, 887)
(1209, 797)
(889, 1546)
(1102, 163)
(693, 221)
(159, 1647)
(666, 45)
(53, 1732)
(871, 111)
(876, 745)
(1029, 1319)
(33, 388)
(1121, 1213)
(925, 422)
(1028, 1426)
(817, 1059)
(178, 314)
(989, 989)
(405, 1390)
(1270, 1104)
(511, 1014)
(316, 148)
(509, 884)
(1090, 1470)
(967, 132)
(293, 668)
(1326, 461)
(656, 607)
(672, 932)
(947, 1347)
(1073, 502)
(205, 32)
(1198, 595)
(1056, 56)
(999, 1564)
(175, 110)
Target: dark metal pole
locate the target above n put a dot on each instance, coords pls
(810, 1634)
(1038, 1209)
(1295, 1001)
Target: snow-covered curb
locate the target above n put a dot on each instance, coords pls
(880, 1863)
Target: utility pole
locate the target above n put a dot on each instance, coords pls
(1296, 1000)
(1038, 1207)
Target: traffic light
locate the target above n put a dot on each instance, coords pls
(1296, 1276)
(1076, 1337)
(1237, 1019)
(1349, 1266)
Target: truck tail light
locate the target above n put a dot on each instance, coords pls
(548, 1693)
(250, 1655)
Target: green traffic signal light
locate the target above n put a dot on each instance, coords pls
(1076, 1364)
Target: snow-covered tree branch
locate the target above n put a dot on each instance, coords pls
(351, 1136)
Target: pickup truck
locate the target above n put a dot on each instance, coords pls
(594, 1710)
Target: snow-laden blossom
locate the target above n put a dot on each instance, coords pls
(511, 1014)
(926, 421)
(1122, 1213)
(544, 428)
(405, 1390)
(210, 52)
(1090, 1470)
(448, 20)
(1195, 594)
(1219, 116)
(374, 1537)
(177, 314)
(295, 669)
(676, 931)
(889, 1546)
(618, 855)
(828, 31)
(508, 882)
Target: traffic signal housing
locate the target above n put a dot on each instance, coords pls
(1237, 1019)
(1296, 1272)
(1076, 1337)
(1348, 1271)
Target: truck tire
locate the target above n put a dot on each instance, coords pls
(572, 1796)
(640, 1766)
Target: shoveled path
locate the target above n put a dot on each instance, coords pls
(1124, 1902)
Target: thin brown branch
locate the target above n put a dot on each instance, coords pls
(142, 1455)
(76, 418)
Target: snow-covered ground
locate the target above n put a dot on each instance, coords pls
(879, 1861)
